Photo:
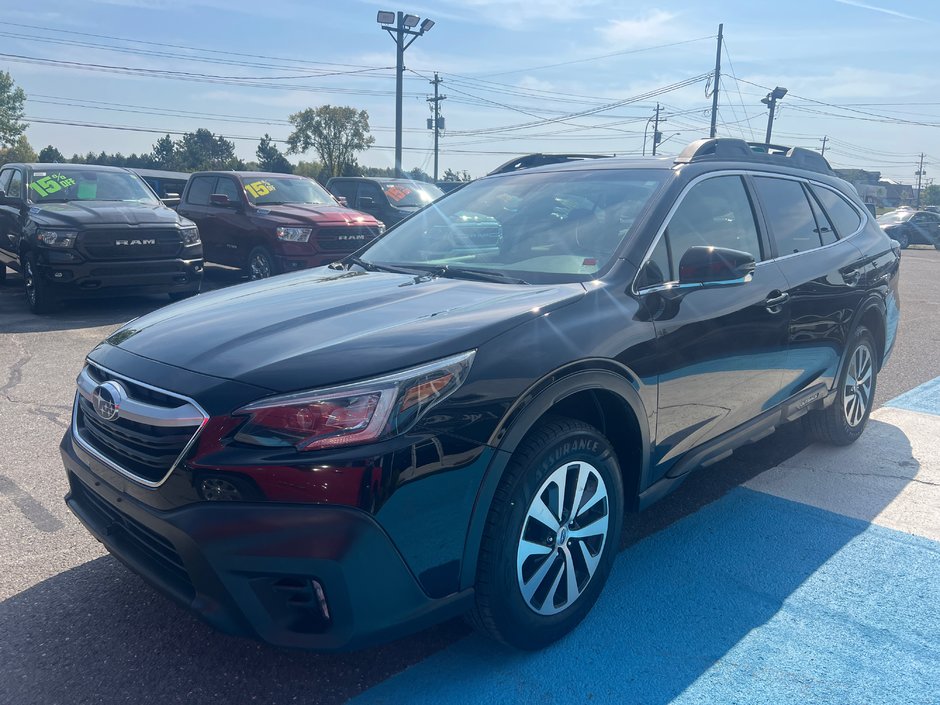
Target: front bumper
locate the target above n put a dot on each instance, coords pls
(294, 262)
(89, 278)
(253, 569)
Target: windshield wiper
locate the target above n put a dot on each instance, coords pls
(374, 267)
(445, 270)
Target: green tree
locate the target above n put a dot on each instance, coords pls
(50, 155)
(270, 157)
(19, 151)
(164, 154)
(12, 98)
(336, 134)
(451, 175)
(201, 150)
(312, 170)
(931, 195)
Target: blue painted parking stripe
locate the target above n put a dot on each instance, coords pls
(924, 398)
(752, 599)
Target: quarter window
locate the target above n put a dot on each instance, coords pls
(789, 215)
(716, 212)
(845, 218)
(199, 191)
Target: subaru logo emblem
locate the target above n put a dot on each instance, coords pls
(107, 400)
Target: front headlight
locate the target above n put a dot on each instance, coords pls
(190, 235)
(57, 238)
(381, 228)
(294, 234)
(355, 413)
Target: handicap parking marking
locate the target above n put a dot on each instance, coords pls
(753, 599)
(924, 398)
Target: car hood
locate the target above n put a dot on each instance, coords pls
(318, 214)
(77, 214)
(321, 327)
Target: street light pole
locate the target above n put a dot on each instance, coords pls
(400, 27)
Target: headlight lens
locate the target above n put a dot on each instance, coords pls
(190, 235)
(57, 238)
(353, 413)
(381, 228)
(294, 234)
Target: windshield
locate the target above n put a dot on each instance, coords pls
(895, 217)
(540, 228)
(271, 190)
(410, 194)
(64, 184)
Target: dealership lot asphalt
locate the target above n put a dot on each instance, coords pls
(806, 573)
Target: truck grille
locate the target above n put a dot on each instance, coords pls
(151, 434)
(130, 244)
(345, 238)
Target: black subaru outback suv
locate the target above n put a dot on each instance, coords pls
(444, 424)
(75, 231)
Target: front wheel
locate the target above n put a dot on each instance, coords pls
(551, 536)
(844, 420)
(38, 296)
(903, 240)
(261, 264)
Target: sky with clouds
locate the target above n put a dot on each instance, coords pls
(520, 76)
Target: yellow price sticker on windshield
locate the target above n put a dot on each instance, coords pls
(53, 183)
(258, 189)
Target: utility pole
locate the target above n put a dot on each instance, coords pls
(920, 175)
(399, 26)
(712, 133)
(657, 135)
(824, 140)
(771, 102)
(437, 122)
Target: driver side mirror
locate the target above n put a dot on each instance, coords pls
(715, 266)
(366, 202)
(9, 201)
(222, 200)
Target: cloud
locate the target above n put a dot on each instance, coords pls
(520, 14)
(656, 26)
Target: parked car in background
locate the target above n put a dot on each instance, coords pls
(455, 419)
(268, 223)
(168, 185)
(912, 227)
(78, 230)
(389, 200)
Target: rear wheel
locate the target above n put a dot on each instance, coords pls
(843, 422)
(38, 296)
(551, 536)
(261, 264)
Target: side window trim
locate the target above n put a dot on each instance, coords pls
(863, 214)
(196, 180)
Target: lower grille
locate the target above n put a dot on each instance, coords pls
(345, 239)
(148, 546)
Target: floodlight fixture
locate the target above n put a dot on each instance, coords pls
(426, 25)
(385, 17)
(410, 21)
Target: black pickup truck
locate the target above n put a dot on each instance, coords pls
(76, 230)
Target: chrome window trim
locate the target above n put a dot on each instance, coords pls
(865, 217)
(137, 405)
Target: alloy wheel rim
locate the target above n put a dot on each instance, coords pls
(260, 267)
(563, 538)
(856, 395)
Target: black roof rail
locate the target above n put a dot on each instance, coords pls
(529, 161)
(728, 149)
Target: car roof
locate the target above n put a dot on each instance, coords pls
(392, 179)
(160, 173)
(249, 174)
(35, 166)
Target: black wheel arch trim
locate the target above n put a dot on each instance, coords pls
(873, 302)
(587, 375)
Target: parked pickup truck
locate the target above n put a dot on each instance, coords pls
(78, 230)
(272, 223)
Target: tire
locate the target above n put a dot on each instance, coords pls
(261, 264)
(38, 297)
(903, 240)
(844, 420)
(514, 540)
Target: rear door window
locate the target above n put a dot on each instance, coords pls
(788, 214)
(844, 217)
(200, 189)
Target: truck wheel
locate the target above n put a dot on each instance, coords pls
(551, 536)
(38, 296)
(843, 422)
(903, 240)
(261, 264)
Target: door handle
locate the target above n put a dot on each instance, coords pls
(774, 301)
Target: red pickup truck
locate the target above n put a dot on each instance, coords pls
(270, 223)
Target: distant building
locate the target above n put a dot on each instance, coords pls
(880, 191)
